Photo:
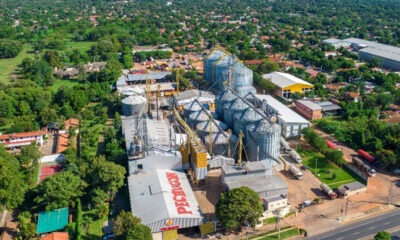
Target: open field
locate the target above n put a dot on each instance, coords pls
(326, 171)
(9, 65)
(64, 82)
(81, 46)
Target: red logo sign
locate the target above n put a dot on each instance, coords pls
(179, 196)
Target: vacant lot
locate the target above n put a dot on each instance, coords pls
(9, 65)
(64, 82)
(326, 171)
(81, 46)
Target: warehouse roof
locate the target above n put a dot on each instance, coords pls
(393, 54)
(153, 198)
(259, 183)
(310, 104)
(153, 75)
(331, 41)
(155, 162)
(285, 114)
(51, 221)
(283, 80)
(328, 106)
(190, 95)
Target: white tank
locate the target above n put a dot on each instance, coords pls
(134, 105)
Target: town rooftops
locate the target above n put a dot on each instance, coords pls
(284, 80)
(153, 197)
(51, 221)
(310, 105)
(56, 236)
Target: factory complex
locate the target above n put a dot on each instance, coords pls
(172, 142)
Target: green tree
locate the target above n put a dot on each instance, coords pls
(237, 207)
(29, 155)
(27, 229)
(123, 223)
(139, 232)
(383, 235)
(78, 220)
(58, 191)
(387, 158)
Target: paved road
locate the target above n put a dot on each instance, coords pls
(364, 228)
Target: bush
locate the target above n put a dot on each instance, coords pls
(9, 48)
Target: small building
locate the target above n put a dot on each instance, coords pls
(52, 221)
(329, 108)
(71, 122)
(94, 67)
(353, 96)
(352, 188)
(334, 87)
(17, 140)
(204, 97)
(165, 202)
(67, 73)
(309, 109)
(56, 236)
(288, 84)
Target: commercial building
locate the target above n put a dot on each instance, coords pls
(204, 97)
(164, 201)
(352, 188)
(17, 140)
(291, 122)
(309, 109)
(288, 84)
(337, 43)
(329, 108)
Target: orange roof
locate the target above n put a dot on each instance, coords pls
(353, 94)
(72, 122)
(313, 73)
(292, 64)
(335, 86)
(62, 142)
(56, 236)
(21, 135)
(253, 62)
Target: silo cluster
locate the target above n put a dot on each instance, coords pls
(223, 70)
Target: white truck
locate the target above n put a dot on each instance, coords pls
(285, 145)
(295, 156)
(326, 189)
(296, 172)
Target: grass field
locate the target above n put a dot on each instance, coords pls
(82, 46)
(9, 65)
(286, 232)
(326, 171)
(64, 82)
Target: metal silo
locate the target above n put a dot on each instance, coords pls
(237, 106)
(220, 142)
(241, 75)
(134, 104)
(203, 128)
(208, 63)
(266, 139)
(196, 117)
(224, 98)
(243, 119)
(191, 107)
(221, 74)
(244, 91)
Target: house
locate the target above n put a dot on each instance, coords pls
(71, 122)
(353, 96)
(288, 84)
(17, 140)
(253, 62)
(94, 67)
(312, 72)
(56, 236)
(309, 109)
(334, 87)
(67, 72)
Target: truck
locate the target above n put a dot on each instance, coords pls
(285, 145)
(360, 164)
(296, 172)
(295, 156)
(326, 189)
(331, 145)
(366, 155)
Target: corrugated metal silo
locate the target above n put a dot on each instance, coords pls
(266, 139)
(196, 117)
(220, 143)
(203, 128)
(191, 107)
(225, 98)
(208, 63)
(134, 104)
(243, 119)
(237, 106)
(221, 72)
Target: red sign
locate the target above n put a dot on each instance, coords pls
(179, 196)
(169, 228)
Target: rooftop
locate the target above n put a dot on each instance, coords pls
(283, 80)
(285, 114)
(310, 104)
(331, 41)
(142, 77)
(189, 95)
(351, 186)
(51, 221)
(21, 135)
(328, 106)
(56, 236)
(259, 183)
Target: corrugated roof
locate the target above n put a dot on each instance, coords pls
(259, 183)
(142, 77)
(310, 104)
(56, 236)
(21, 135)
(283, 80)
(285, 114)
(52, 220)
(152, 199)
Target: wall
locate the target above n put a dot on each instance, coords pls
(307, 112)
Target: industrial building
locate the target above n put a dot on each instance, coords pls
(309, 109)
(206, 98)
(223, 70)
(17, 140)
(290, 122)
(288, 84)
(389, 56)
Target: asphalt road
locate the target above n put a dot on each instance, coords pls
(364, 228)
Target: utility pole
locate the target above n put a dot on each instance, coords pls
(390, 193)
(347, 206)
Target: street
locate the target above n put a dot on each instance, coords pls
(364, 228)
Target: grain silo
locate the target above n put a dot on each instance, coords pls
(196, 117)
(237, 106)
(191, 107)
(134, 105)
(224, 98)
(208, 63)
(220, 143)
(203, 128)
(242, 119)
(241, 75)
(264, 141)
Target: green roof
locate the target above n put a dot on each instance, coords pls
(52, 220)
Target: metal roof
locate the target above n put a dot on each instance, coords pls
(152, 199)
(331, 41)
(328, 106)
(51, 221)
(383, 53)
(142, 77)
(259, 183)
(283, 80)
(285, 114)
(155, 162)
(188, 96)
(310, 104)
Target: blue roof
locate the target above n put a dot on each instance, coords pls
(51, 221)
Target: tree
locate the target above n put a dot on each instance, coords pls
(123, 223)
(383, 235)
(9, 48)
(29, 155)
(139, 232)
(58, 191)
(238, 207)
(78, 220)
(27, 229)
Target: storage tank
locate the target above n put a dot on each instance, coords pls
(191, 107)
(196, 117)
(203, 128)
(220, 143)
(241, 75)
(221, 100)
(242, 119)
(220, 76)
(237, 106)
(266, 138)
(244, 91)
(134, 104)
(208, 63)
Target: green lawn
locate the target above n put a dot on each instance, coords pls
(284, 234)
(64, 82)
(326, 170)
(82, 46)
(9, 65)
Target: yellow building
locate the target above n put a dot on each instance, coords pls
(288, 84)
